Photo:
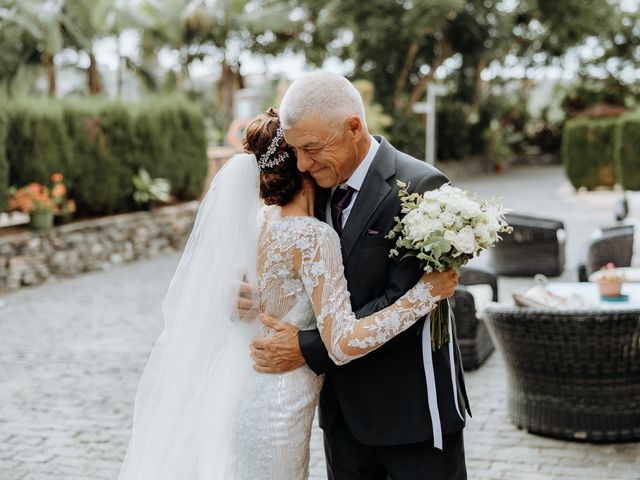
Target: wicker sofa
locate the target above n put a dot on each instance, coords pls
(612, 244)
(571, 374)
(473, 337)
(536, 246)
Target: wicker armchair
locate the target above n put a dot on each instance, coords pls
(473, 337)
(571, 374)
(535, 246)
(612, 244)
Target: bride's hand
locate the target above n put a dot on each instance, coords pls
(247, 303)
(442, 283)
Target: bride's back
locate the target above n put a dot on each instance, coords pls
(282, 293)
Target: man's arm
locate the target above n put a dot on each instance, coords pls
(402, 276)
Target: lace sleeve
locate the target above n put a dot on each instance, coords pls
(345, 336)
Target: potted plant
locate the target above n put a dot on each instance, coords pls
(42, 203)
(34, 199)
(150, 190)
(610, 281)
(66, 206)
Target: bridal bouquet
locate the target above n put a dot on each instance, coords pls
(445, 228)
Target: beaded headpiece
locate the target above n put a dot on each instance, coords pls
(267, 160)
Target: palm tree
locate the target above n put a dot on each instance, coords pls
(42, 24)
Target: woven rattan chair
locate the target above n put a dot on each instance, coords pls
(612, 244)
(571, 374)
(473, 336)
(535, 246)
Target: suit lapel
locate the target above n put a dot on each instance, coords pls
(373, 191)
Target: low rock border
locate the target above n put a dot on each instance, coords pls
(30, 258)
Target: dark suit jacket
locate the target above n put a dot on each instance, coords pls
(383, 395)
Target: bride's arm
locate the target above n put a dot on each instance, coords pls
(346, 337)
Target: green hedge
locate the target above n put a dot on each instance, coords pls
(588, 152)
(4, 164)
(627, 153)
(99, 145)
(37, 142)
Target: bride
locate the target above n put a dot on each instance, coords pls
(201, 411)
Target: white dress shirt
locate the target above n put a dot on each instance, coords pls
(355, 181)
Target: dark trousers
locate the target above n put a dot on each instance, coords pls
(348, 459)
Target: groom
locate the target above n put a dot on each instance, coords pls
(378, 419)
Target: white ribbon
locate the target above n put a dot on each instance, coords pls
(432, 394)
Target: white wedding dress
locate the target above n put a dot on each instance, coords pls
(301, 281)
(202, 412)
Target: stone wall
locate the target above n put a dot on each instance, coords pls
(29, 258)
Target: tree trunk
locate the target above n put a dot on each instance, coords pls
(50, 69)
(229, 82)
(95, 87)
(404, 75)
(420, 88)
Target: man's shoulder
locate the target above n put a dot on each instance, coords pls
(410, 169)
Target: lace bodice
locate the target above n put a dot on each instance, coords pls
(301, 277)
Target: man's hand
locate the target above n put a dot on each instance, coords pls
(279, 352)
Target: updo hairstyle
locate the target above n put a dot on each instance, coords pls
(280, 183)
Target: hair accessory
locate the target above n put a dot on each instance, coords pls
(266, 159)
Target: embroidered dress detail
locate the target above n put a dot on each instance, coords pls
(301, 281)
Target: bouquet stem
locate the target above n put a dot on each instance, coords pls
(439, 325)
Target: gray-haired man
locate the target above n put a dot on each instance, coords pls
(375, 412)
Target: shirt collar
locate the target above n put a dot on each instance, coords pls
(357, 178)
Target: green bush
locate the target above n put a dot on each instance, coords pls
(627, 155)
(102, 137)
(98, 145)
(4, 164)
(588, 152)
(407, 134)
(37, 142)
(173, 130)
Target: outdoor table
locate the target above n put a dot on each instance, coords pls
(573, 374)
(589, 290)
(631, 274)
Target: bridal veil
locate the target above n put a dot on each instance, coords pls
(186, 397)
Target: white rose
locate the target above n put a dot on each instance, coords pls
(470, 209)
(453, 205)
(465, 241)
(418, 231)
(434, 224)
(432, 209)
(450, 236)
(481, 232)
(448, 219)
(431, 195)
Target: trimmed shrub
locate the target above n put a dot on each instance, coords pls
(37, 142)
(102, 137)
(172, 143)
(100, 144)
(4, 164)
(588, 152)
(627, 154)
